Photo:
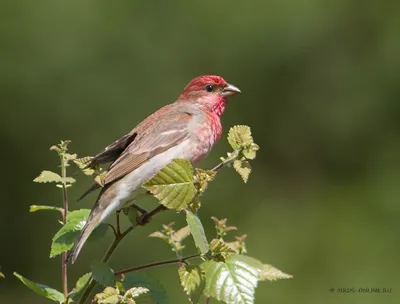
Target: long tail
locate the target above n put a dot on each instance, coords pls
(91, 224)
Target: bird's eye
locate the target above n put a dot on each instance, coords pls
(210, 88)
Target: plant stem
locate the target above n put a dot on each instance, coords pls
(207, 300)
(227, 161)
(64, 266)
(159, 263)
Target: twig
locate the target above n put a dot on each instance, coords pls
(207, 300)
(226, 162)
(159, 263)
(64, 266)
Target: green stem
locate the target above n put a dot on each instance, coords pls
(227, 161)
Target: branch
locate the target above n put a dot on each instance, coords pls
(227, 161)
(159, 263)
(64, 266)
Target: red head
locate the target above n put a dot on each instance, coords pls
(210, 92)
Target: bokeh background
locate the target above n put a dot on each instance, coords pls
(321, 89)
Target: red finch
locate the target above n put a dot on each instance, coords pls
(187, 128)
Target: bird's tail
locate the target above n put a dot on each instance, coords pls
(90, 225)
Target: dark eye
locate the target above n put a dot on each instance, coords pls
(210, 88)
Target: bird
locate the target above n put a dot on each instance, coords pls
(187, 128)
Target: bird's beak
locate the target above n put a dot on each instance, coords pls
(230, 90)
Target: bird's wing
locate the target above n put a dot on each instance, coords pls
(153, 137)
(113, 151)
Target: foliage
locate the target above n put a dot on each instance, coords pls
(221, 271)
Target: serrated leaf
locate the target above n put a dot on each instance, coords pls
(181, 234)
(65, 238)
(101, 178)
(251, 151)
(243, 168)
(193, 281)
(80, 284)
(82, 164)
(102, 273)
(34, 208)
(219, 247)
(197, 231)
(239, 137)
(270, 273)
(234, 281)
(43, 290)
(157, 291)
(109, 295)
(52, 177)
(173, 185)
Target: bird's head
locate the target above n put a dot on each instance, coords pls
(209, 92)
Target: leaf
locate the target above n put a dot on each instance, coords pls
(65, 238)
(83, 163)
(160, 235)
(219, 247)
(109, 295)
(51, 177)
(181, 234)
(80, 284)
(34, 208)
(43, 290)
(239, 137)
(193, 281)
(243, 168)
(102, 274)
(78, 215)
(132, 214)
(158, 292)
(233, 281)
(195, 205)
(139, 295)
(101, 178)
(203, 177)
(2, 275)
(270, 273)
(197, 231)
(173, 185)
(251, 151)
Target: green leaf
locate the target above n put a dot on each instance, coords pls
(51, 177)
(65, 238)
(102, 274)
(243, 168)
(233, 281)
(219, 247)
(197, 231)
(43, 290)
(82, 164)
(139, 295)
(270, 273)
(109, 295)
(158, 292)
(2, 275)
(240, 136)
(173, 185)
(193, 281)
(80, 284)
(78, 215)
(34, 208)
(132, 214)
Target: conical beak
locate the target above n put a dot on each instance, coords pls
(230, 90)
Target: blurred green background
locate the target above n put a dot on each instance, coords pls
(321, 88)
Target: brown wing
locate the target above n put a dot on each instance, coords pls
(155, 139)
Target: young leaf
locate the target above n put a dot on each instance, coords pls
(43, 290)
(138, 295)
(102, 274)
(134, 279)
(243, 168)
(270, 273)
(82, 164)
(181, 234)
(234, 281)
(51, 177)
(197, 231)
(240, 136)
(80, 284)
(220, 248)
(34, 208)
(110, 295)
(132, 214)
(193, 281)
(173, 185)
